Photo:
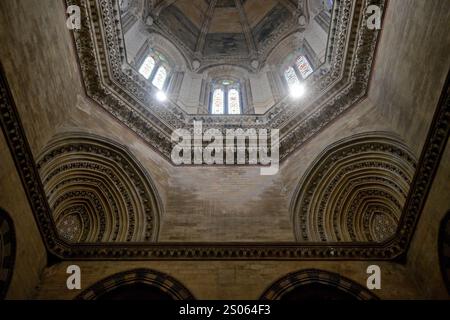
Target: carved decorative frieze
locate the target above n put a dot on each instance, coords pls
(335, 87)
(393, 248)
(337, 198)
(99, 184)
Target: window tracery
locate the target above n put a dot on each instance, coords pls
(226, 98)
(155, 69)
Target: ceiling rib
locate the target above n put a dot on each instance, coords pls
(246, 28)
(163, 5)
(303, 6)
(289, 5)
(205, 27)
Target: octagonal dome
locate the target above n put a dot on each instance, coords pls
(179, 84)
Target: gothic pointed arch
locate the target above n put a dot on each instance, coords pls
(7, 252)
(98, 191)
(444, 249)
(314, 284)
(355, 191)
(137, 284)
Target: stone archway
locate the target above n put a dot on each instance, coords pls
(140, 284)
(313, 284)
(98, 191)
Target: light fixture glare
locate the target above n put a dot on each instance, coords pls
(161, 96)
(297, 91)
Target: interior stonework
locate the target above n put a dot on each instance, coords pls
(225, 232)
(252, 37)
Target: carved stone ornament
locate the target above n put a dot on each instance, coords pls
(98, 192)
(355, 191)
(394, 248)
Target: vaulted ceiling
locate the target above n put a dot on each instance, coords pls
(334, 87)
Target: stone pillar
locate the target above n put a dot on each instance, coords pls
(175, 83)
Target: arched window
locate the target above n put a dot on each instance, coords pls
(291, 78)
(304, 67)
(234, 102)
(226, 98)
(155, 69)
(301, 69)
(147, 67)
(160, 78)
(218, 103)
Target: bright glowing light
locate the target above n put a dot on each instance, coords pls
(147, 67)
(161, 96)
(297, 91)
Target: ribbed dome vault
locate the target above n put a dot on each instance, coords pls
(222, 28)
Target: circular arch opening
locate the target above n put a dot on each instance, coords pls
(138, 284)
(313, 284)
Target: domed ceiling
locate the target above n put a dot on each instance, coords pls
(198, 36)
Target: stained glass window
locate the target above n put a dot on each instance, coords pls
(155, 69)
(234, 103)
(160, 78)
(147, 67)
(218, 103)
(291, 77)
(226, 97)
(304, 67)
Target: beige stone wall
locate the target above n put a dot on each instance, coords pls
(410, 71)
(423, 261)
(41, 66)
(30, 251)
(91, 118)
(42, 71)
(228, 280)
(411, 66)
(224, 203)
